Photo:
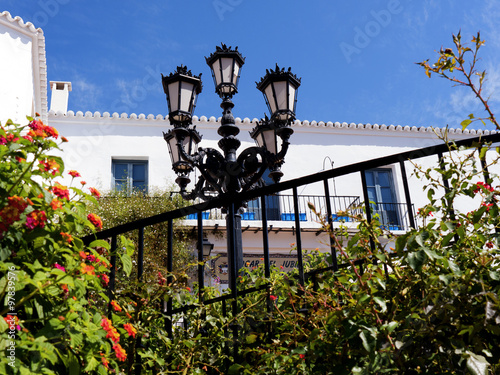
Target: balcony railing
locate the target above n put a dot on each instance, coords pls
(393, 216)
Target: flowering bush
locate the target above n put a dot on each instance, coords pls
(51, 284)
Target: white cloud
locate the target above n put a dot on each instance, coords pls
(84, 95)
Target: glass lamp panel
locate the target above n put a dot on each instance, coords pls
(187, 91)
(259, 139)
(173, 96)
(216, 72)
(270, 140)
(270, 98)
(174, 152)
(291, 97)
(281, 94)
(227, 70)
(190, 145)
(236, 72)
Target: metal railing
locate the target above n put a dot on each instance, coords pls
(229, 301)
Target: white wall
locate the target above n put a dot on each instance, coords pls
(16, 75)
(23, 70)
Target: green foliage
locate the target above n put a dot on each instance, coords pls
(50, 323)
(119, 208)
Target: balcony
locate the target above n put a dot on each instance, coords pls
(392, 216)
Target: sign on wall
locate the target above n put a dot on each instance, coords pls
(220, 269)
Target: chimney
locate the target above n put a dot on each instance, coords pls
(60, 93)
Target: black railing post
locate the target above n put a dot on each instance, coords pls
(409, 205)
(298, 238)
(367, 208)
(201, 265)
(170, 267)
(233, 273)
(140, 270)
(112, 275)
(265, 236)
(329, 214)
(140, 254)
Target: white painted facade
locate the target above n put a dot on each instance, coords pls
(96, 139)
(23, 70)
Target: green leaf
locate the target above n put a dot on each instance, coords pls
(250, 339)
(381, 303)
(477, 364)
(76, 338)
(100, 243)
(416, 260)
(235, 369)
(91, 365)
(127, 263)
(365, 338)
(465, 123)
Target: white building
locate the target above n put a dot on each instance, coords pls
(113, 150)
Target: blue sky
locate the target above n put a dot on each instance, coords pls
(356, 59)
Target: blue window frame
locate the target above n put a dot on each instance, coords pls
(130, 175)
(382, 196)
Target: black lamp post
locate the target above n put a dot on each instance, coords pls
(227, 173)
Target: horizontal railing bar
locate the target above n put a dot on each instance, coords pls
(225, 199)
(222, 298)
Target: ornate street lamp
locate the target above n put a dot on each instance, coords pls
(226, 172)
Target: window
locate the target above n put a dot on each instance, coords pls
(382, 197)
(272, 203)
(130, 175)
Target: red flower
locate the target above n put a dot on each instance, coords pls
(83, 255)
(95, 220)
(65, 289)
(74, 174)
(130, 329)
(273, 298)
(106, 324)
(55, 204)
(39, 129)
(302, 356)
(12, 212)
(188, 289)
(36, 219)
(113, 335)
(64, 139)
(61, 191)
(120, 352)
(49, 165)
(52, 132)
(95, 192)
(83, 182)
(105, 362)
(161, 279)
(105, 280)
(27, 137)
(59, 267)
(116, 306)
(89, 270)
(67, 237)
(489, 245)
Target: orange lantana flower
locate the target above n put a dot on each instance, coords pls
(130, 329)
(86, 269)
(116, 306)
(56, 204)
(120, 352)
(67, 237)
